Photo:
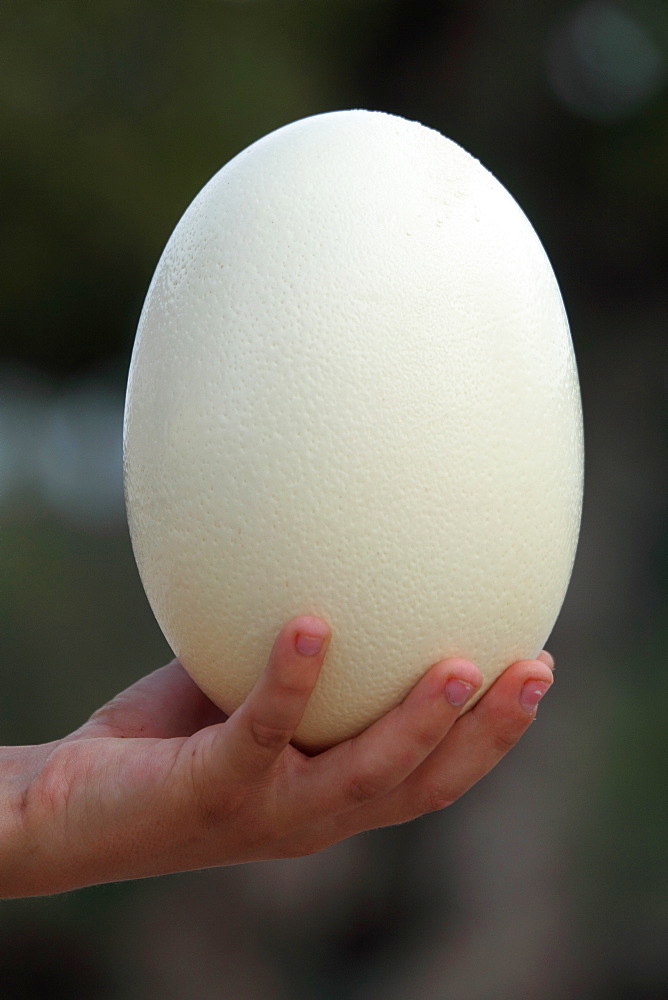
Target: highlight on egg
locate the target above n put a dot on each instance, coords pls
(353, 394)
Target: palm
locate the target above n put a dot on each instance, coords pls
(163, 705)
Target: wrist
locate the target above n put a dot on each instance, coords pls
(19, 766)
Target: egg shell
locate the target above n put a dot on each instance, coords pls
(353, 394)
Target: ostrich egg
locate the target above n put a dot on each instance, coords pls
(353, 394)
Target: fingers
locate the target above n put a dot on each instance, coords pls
(258, 732)
(497, 722)
(473, 746)
(377, 761)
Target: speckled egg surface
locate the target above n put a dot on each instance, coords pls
(353, 394)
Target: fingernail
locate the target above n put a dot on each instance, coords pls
(547, 658)
(531, 693)
(458, 692)
(309, 645)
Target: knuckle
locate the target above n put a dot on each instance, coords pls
(103, 713)
(117, 717)
(106, 716)
(363, 788)
(291, 688)
(435, 800)
(504, 740)
(270, 737)
(424, 737)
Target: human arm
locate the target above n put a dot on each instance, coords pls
(159, 780)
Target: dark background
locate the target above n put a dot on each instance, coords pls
(549, 879)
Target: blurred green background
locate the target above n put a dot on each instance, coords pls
(549, 879)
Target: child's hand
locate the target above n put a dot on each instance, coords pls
(158, 780)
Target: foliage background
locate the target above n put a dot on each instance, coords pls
(549, 879)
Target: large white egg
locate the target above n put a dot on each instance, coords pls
(353, 394)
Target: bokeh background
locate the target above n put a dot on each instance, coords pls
(549, 879)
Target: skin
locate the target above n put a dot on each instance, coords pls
(159, 780)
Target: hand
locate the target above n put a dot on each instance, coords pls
(159, 780)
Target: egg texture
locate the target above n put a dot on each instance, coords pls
(353, 394)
